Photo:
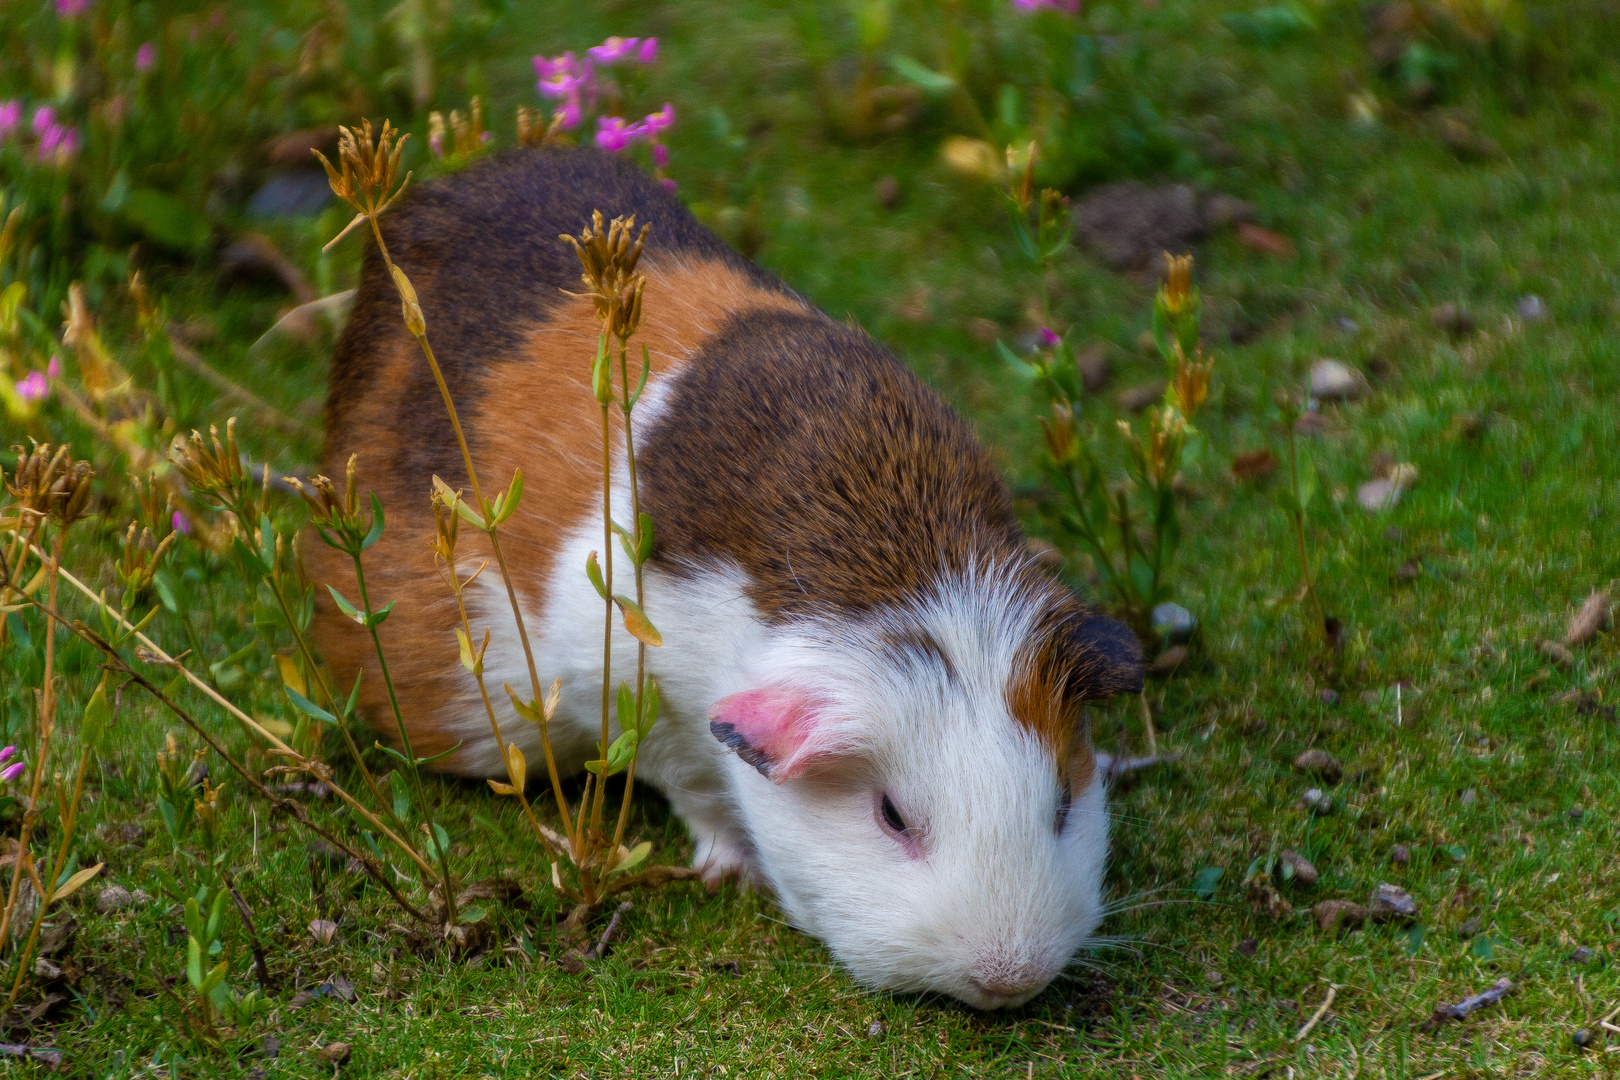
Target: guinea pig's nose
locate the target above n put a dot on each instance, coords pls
(1008, 983)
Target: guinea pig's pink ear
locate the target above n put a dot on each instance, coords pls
(779, 730)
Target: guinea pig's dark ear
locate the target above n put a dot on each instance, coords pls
(1104, 658)
(780, 730)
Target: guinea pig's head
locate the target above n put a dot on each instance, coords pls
(924, 796)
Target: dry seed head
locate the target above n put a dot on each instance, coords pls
(1060, 435)
(608, 259)
(1191, 386)
(213, 468)
(367, 167)
(408, 303)
(1177, 288)
(36, 474)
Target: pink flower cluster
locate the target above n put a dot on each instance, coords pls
(67, 9)
(145, 56)
(15, 769)
(57, 143)
(36, 385)
(572, 80)
(1068, 7)
(614, 133)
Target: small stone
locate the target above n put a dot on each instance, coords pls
(335, 1053)
(1451, 318)
(1337, 914)
(1248, 946)
(1532, 308)
(1328, 696)
(46, 970)
(1582, 955)
(141, 897)
(1560, 656)
(1410, 570)
(1333, 381)
(1317, 801)
(1470, 928)
(1094, 368)
(1321, 764)
(1173, 623)
(1589, 622)
(114, 898)
(1582, 1038)
(1399, 855)
(1376, 495)
(1577, 812)
(1469, 797)
(875, 1031)
(1136, 398)
(1167, 661)
(1391, 903)
(131, 833)
(887, 190)
(1304, 871)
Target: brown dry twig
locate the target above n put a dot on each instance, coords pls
(1498, 990)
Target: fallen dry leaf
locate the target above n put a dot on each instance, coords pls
(1337, 914)
(1320, 763)
(323, 930)
(1588, 622)
(1254, 464)
(1264, 240)
(1555, 652)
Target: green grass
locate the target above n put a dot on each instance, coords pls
(1509, 529)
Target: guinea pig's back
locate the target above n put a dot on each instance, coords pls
(495, 284)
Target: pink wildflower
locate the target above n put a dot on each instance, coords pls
(66, 9)
(661, 156)
(648, 51)
(181, 523)
(44, 119)
(5, 755)
(59, 143)
(566, 77)
(145, 57)
(668, 184)
(12, 772)
(1068, 7)
(33, 386)
(10, 117)
(661, 120)
(436, 143)
(54, 370)
(613, 50)
(614, 133)
(1050, 339)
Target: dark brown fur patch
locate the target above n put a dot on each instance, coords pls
(1075, 656)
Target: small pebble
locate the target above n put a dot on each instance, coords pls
(1167, 662)
(1317, 801)
(1390, 903)
(1332, 914)
(1376, 495)
(1451, 318)
(875, 1031)
(1248, 946)
(1347, 325)
(1532, 308)
(335, 1053)
(1582, 955)
(1469, 797)
(114, 898)
(1321, 764)
(1333, 381)
(1582, 1038)
(1399, 855)
(1470, 928)
(887, 190)
(1328, 696)
(1304, 871)
(1173, 623)
(1576, 813)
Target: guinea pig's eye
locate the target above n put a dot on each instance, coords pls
(1065, 801)
(889, 818)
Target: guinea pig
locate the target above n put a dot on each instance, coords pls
(872, 696)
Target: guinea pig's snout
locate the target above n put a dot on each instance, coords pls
(1006, 980)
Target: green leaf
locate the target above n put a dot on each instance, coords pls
(1307, 480)
(348, 609)
(216, 916)
(164, 584)
(626, 703)
(1286, 501)
(308, 707)
(166, 220)
(376, 531)
(194, 971)
(1414, 939)
(1483, 948)
(1456, 851)
(267, 541)
(441, 840)
(401, 794)
(926, 78)
(594, 572)
(249, 557)
(194, 923)
(507, 503)
(637, 854)
(1206, 881)
(354, 698)
(525, 709)
(637, 623)
(470, 516)
(377, 618)
(97, 714)
(1142, 578)
(649, 706)
(470, 915)
(644, 551)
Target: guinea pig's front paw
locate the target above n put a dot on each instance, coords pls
(722, 858)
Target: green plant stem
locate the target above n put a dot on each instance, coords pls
(607, 624)
(1299, 534)
(625, 406)
(405, 741)
(494, 541)
(70, 819)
